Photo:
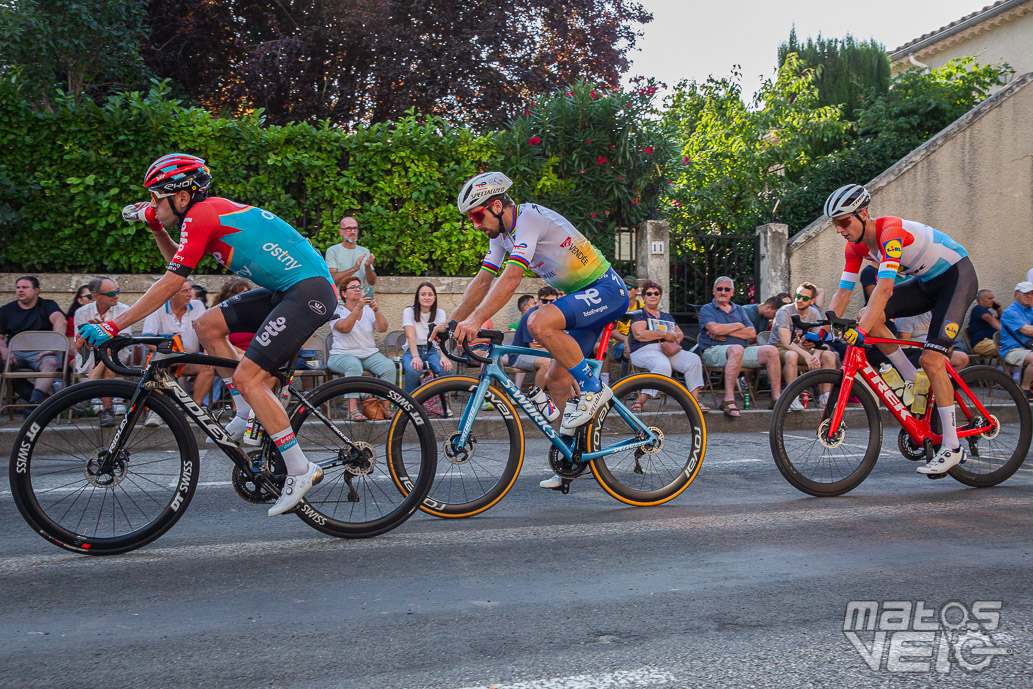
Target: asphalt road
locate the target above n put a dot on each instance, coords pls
(741, 581)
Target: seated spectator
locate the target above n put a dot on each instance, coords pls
(916, 329)
(983, 322)
(82, 298)
(623, 326)
(524, 304)
(104, 307)
(760, 315)
(1017, 335)
(418, 349)
(354, 344)
(28, 313)
(655, 345)
(232, 288)
(177, 318)
(795, 351)
(200, 294)
(724, 335)
(525, 362)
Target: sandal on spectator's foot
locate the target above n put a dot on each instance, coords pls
(636, 408)
(729, 409)
(357, 415)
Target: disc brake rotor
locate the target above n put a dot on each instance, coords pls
(836, 440)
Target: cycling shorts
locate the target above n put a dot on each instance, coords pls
(947, 295)
(281, 321)
(588, 310)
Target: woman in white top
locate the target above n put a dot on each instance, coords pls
(354, 347)
(417, 329)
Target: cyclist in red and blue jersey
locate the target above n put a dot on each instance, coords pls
(295, 296)
(941, 279)
(529, 236)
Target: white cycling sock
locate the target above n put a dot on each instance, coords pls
(950, 427)
(239, 403)
(293, 457)
(903, 364)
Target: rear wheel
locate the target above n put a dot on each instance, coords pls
(357, 497)
(657, 473)
(808, 457)
(997, 454)
(78, 494)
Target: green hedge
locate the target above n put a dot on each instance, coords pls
(66, 175)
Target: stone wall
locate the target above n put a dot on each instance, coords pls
(973, 181)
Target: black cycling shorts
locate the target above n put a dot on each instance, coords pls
(947, 295)
(281, 321)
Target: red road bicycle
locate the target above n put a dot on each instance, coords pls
(829, 449)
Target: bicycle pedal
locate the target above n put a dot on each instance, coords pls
(936, 476)
(565, 487)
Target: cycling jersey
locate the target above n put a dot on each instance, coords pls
(251, 242)
(906, 247)
(544, 241)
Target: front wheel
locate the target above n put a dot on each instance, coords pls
(357, 497)
(809, 457)
(74, 490)
(997, 454)
(656, 473)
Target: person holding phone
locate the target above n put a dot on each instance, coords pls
(418, 320)
(354, 346)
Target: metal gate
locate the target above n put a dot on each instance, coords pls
(698, 259)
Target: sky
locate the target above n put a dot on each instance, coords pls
(693, 39)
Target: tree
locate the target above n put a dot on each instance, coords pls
(848, 72)
(357, 63)
(74, 48)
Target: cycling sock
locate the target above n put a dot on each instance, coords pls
(950, 427)
(293, 457)
(903, 364)
(582, 373)
(239, 403)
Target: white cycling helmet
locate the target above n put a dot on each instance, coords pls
(477, 191)
(847, 199)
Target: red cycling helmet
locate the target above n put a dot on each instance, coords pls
(178, 172)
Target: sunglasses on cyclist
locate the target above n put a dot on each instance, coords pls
(845, 221)
(113, 293)
(804, 297)
(155, 196)
(478, 215)
(652, 293)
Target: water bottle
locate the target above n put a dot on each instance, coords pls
(745, 390)
(543, 403)
(921, 394)
(253, 430)
(897, 384)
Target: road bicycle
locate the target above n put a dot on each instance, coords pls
(645, 458)
(829, 449)
(103, 491)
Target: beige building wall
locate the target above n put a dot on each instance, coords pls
(1007, 37)
(973, 181)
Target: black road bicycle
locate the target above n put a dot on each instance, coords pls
(103, 491)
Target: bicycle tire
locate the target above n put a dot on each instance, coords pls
(357, 497)
(650, 477)
(992, 460)
(832, 472)
(54, 477)
(472, 483)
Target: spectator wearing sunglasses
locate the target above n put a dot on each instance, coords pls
(796, 352)
(104, 307)
(724, 334)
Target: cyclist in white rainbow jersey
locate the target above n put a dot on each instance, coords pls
(539, 239)
(942, 280)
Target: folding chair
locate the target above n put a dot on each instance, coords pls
(28, 341)
(317, 345)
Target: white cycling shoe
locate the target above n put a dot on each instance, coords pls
(583, 409)
(553, 482)
(294, 489)
(942, 462)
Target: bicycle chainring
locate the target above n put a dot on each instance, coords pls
(908, 449)
(563, 467)
(246, 487)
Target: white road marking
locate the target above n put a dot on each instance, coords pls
(619, 679)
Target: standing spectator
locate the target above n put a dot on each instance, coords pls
(623, 326)
(354, 347)
(28, 312)
(796, 351)
(348, 259)
(916, 328)
(983, 322)
(524, 304)
(1017, 335)
(724, 335)
(417, 331)
(760, 315)
(104, 307)
(177, 318)
(655, 345)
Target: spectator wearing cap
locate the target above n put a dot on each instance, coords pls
(1017, 334)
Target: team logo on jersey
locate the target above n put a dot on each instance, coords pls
(950, 329)
(520, 247)
(892, 248)
(566, 243)
(317, 307)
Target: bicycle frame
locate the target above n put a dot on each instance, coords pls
(918, 428)
(493, 373)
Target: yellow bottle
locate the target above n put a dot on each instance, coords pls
(921, 394)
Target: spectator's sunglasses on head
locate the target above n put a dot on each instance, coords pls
(804, 297)
(724, 289)
(112, 293)
(652, 293)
